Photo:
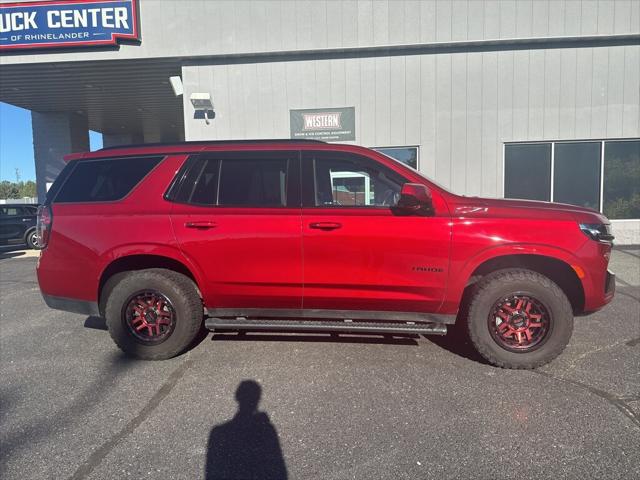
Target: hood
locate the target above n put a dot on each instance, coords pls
(511, 208)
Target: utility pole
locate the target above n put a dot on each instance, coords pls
(17, 175)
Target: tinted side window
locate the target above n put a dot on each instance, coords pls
(104, 180)
(205, 189)
(249, 182)
(240, 179)
(343, 180)
(10, 211)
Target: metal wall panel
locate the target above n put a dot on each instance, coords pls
(568, 81)
(458, 136)
(397, 102)
(459, 108)
(222, 27)
(552, 82)
(491, 151)
(631, 109)
(428, 109)
(473, 150)
(599, 94)
(583, 93)
(536, 92)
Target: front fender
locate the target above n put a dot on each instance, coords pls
(462, 268)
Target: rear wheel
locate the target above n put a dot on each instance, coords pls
(519, 319)
(153, 314)
(31, 239)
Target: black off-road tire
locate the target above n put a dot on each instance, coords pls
(507, 282)
(183, 296)
(30, 240)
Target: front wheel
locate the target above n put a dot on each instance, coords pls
(519, 319)
(153, 314)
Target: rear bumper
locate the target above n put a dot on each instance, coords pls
(72, 305)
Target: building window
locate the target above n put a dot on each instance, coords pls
(602, 175)
(527, 171)
(576, 174)
(621, 196)
(406, 155)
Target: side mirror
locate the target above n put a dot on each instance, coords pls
(415, 199)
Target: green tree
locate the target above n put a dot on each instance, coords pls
(27, 189)
(9, 190)
(13, 190)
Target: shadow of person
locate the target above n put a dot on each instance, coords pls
(247, 446)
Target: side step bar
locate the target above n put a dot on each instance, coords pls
(243, 323)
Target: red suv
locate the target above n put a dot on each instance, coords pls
(162, 240)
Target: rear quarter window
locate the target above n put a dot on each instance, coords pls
(104, 180)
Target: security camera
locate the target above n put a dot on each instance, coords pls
(202, 102)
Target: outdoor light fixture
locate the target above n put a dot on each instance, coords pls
(202, 103)
(176, 84)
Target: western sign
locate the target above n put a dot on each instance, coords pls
(335, 124)
(65, 23)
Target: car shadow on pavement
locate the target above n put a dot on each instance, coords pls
(457, 342)
(247, 446)
(324, 337)
(11, 254)
(95, 323)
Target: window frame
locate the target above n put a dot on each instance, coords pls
(308, 183)
(601, 141)
(292, 181)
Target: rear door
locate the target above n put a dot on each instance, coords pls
(14, 221)
(358, 254)
(238, 217)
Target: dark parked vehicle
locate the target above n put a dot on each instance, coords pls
(18, 224)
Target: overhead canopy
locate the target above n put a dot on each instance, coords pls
(124, 96)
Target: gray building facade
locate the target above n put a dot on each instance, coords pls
(519, 98)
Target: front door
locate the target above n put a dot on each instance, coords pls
(237, 215)
(358, 254)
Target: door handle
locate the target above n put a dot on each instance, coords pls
(201, 225)
(325, 225)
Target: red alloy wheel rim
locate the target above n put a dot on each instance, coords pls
(519, 323)
(149, 316)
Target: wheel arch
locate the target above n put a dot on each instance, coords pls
(28, 232)
(557, 270)
(142, 261)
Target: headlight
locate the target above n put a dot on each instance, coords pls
(599, 232)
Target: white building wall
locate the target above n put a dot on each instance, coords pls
(459, 108)
(194, 28)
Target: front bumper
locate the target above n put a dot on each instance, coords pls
(610, 285)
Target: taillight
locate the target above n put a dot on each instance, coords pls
(43, 228)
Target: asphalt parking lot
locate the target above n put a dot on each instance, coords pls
(335, 407)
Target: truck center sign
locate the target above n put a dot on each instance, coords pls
(65, 23)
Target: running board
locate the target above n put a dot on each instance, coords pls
(242, 323)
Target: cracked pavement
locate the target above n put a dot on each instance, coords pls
(71, 406)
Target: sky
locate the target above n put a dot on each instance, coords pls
(16, 143)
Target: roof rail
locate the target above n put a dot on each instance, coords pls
(213, 142)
